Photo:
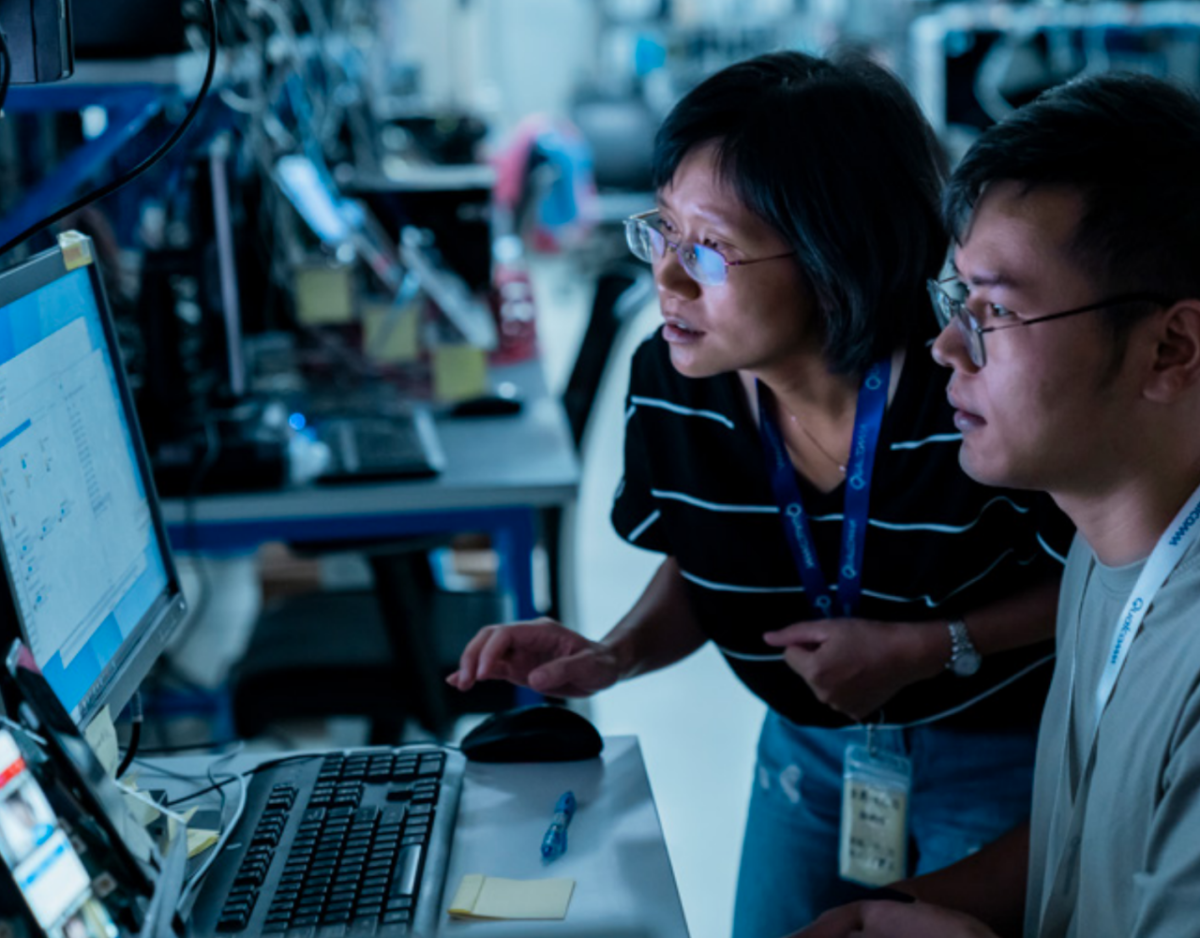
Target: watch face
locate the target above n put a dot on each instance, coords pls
(966, 664)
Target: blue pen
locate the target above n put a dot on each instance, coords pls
(554, 844)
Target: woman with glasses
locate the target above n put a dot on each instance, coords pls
(791, 453)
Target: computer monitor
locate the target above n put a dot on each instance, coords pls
(89, 584)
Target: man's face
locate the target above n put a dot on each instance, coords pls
(762, 314)
(1040, 413)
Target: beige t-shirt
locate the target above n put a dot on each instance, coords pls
(1139, 856)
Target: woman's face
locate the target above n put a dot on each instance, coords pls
(762, 315)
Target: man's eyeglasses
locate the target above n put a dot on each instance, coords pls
(707, 266)
(954, 309)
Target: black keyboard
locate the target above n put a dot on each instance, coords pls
(366, 449)
(350, 844)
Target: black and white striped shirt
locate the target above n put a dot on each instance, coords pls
(938, 544)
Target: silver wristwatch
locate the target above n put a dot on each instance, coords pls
(964, 659)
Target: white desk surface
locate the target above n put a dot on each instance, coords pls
(624, 884)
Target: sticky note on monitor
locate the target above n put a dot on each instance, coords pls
(391, 333)
(101, 735)
(480, 896)
(324, 295)
(459, 371)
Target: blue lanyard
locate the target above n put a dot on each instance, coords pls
(868, 419)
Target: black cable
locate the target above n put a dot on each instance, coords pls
(145, 164)
(270, 764)
(135, 732)
(135, 737)
(6, 59)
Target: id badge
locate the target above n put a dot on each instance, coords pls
(875, 794)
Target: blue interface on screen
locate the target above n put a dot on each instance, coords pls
(78, 535)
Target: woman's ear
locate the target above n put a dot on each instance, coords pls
(1176, 357)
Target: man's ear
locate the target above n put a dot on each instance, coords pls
(1176, 359)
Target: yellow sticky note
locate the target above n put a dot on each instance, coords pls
(480, 896)
(101, 735)
(76, 249)
(141, 807)
(324, 295)
(391, 333)
(200, 840)
(459, 371)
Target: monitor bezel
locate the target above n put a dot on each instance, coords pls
(123, 675)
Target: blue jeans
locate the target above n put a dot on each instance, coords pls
(968, 789)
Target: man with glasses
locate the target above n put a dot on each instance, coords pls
(790, 452)
(1086, 202)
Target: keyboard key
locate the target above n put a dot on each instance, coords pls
(408, 871)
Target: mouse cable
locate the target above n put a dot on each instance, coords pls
(215, 851)
(167, 146)
(216, 786)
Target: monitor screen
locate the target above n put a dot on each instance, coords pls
(88, 583)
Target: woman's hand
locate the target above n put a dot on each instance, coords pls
(878, 919)
(855, 666)
(540, 654)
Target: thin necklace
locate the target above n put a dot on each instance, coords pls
(817, 443)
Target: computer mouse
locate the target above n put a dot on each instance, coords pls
(538, 733)
(487, 405)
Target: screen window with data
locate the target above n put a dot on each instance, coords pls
(77, 531)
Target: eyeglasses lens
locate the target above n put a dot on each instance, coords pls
(641, 240)
(705, 265)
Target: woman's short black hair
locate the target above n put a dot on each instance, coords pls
(834, 154)
(1129, 144)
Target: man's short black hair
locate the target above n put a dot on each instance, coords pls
(835, 155)
(1129, 144)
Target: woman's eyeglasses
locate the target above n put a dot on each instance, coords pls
(707, 266)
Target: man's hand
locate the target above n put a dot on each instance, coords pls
(855, 666)
(540, 654)
(879, 919)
